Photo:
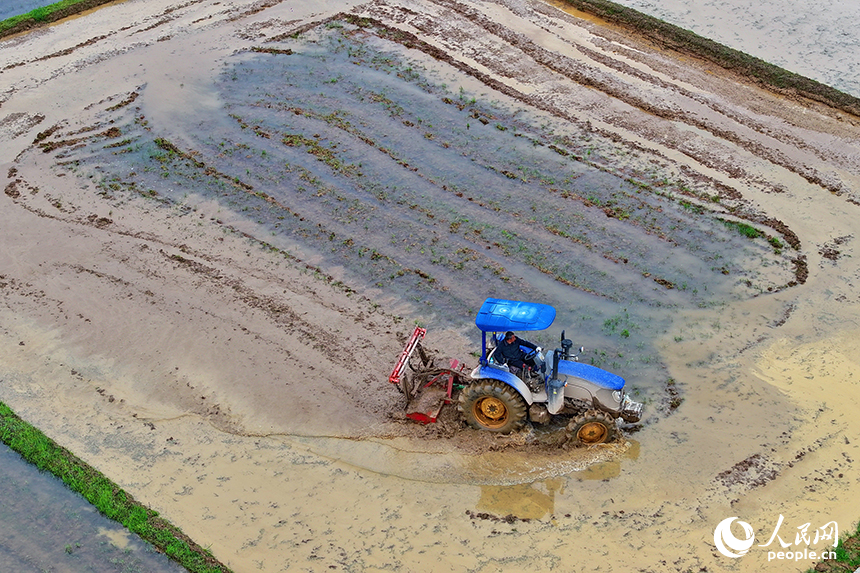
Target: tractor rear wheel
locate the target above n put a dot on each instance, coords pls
(492, 405)
(591, 427)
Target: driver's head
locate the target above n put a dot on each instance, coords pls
(509, 336)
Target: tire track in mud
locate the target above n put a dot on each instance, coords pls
(57, 54)
(400, 260)
(468, 207)
(164, 18)
(613, 86)
(309, 330)
(689, 116)
(170, 14)
(726, 193)
(280, 313)
(606, 256)
(218, 272)
(319, 229)
(221, 277)
(410, 41)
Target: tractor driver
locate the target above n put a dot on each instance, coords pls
(508, 352)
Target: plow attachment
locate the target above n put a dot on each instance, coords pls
(426, 386)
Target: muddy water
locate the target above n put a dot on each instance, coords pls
(182, 287)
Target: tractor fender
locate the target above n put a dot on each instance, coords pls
(599, 397)
(503, 375)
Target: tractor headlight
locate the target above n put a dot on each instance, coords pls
(616, 395)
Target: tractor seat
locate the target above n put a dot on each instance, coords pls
(491, 361)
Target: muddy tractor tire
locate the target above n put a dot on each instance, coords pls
(591, 427)
(492, 405)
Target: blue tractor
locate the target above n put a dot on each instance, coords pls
(501, 394)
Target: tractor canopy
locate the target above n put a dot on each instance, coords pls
(498, 315)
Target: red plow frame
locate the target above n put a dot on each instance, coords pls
(431, 387)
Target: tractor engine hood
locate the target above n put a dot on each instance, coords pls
(592, 374)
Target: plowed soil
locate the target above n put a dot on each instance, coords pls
(222, 220)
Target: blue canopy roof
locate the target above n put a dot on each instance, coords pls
(498, 315)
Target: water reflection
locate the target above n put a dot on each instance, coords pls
(610, 468)
(46, 527)
(525, 501)
(10, 8)
(536, 500)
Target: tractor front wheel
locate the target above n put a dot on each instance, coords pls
(492, 405)
(591, 427)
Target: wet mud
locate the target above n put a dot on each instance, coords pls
(214, 260)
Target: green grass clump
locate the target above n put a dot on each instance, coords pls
(42, 14)
(744, 229)
(46, 14)
(106, 496)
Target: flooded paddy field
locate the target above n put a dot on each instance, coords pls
(214, 258)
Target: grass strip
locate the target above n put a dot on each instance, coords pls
(46, 14)
(106, 496)
(687, 42)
